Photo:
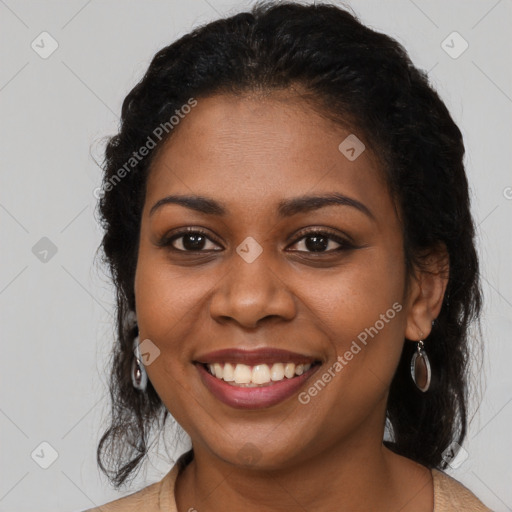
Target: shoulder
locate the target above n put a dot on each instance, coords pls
(451, 495)
(145, 499)
(157, 497)
(153, 498)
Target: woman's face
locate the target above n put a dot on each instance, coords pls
(260, 277)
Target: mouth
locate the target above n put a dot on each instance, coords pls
(255, 379)
(242, 375)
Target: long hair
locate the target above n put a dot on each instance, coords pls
(352, 75)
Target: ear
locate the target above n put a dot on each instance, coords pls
(426, 292)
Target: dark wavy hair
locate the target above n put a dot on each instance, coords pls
(358, 78)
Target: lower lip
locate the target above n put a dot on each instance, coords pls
(257, 397)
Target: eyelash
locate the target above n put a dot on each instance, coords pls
(167, 240)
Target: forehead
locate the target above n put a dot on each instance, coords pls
(252, 151)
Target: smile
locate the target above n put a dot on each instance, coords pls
(254, 379)
(262, 374)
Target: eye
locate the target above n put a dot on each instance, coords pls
(318, 241)
(189, 240)
(314, 241)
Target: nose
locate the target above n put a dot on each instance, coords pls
(250, 293)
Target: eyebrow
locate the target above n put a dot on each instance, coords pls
(286, 208)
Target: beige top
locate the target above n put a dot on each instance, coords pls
(449, 495)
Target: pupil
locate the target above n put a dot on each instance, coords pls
(313, 243)
(197, 241)
(319, 243)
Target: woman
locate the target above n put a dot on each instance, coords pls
(288, 226)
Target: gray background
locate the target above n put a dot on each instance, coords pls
(56, 309)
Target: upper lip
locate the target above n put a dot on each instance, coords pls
(256, 356)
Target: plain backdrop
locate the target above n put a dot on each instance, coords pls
(56, 303)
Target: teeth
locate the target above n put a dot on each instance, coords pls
(229, 373)
(277, 371)
(243, 374)
(289, 370)
(219, 370)
(260, 374)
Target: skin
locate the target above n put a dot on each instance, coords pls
(251, 152)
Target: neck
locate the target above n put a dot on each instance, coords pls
(354, 475)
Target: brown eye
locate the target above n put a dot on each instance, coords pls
(322, 242)
(189, 240)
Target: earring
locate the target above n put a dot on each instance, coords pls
(130, 320)
(420, 368)
(139, 375)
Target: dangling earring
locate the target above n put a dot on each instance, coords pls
(139, 375)
(420, 368)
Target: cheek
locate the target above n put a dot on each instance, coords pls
(362, 313)
(169, 304)
(167, 300)
(359, 294)
(166, 307)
